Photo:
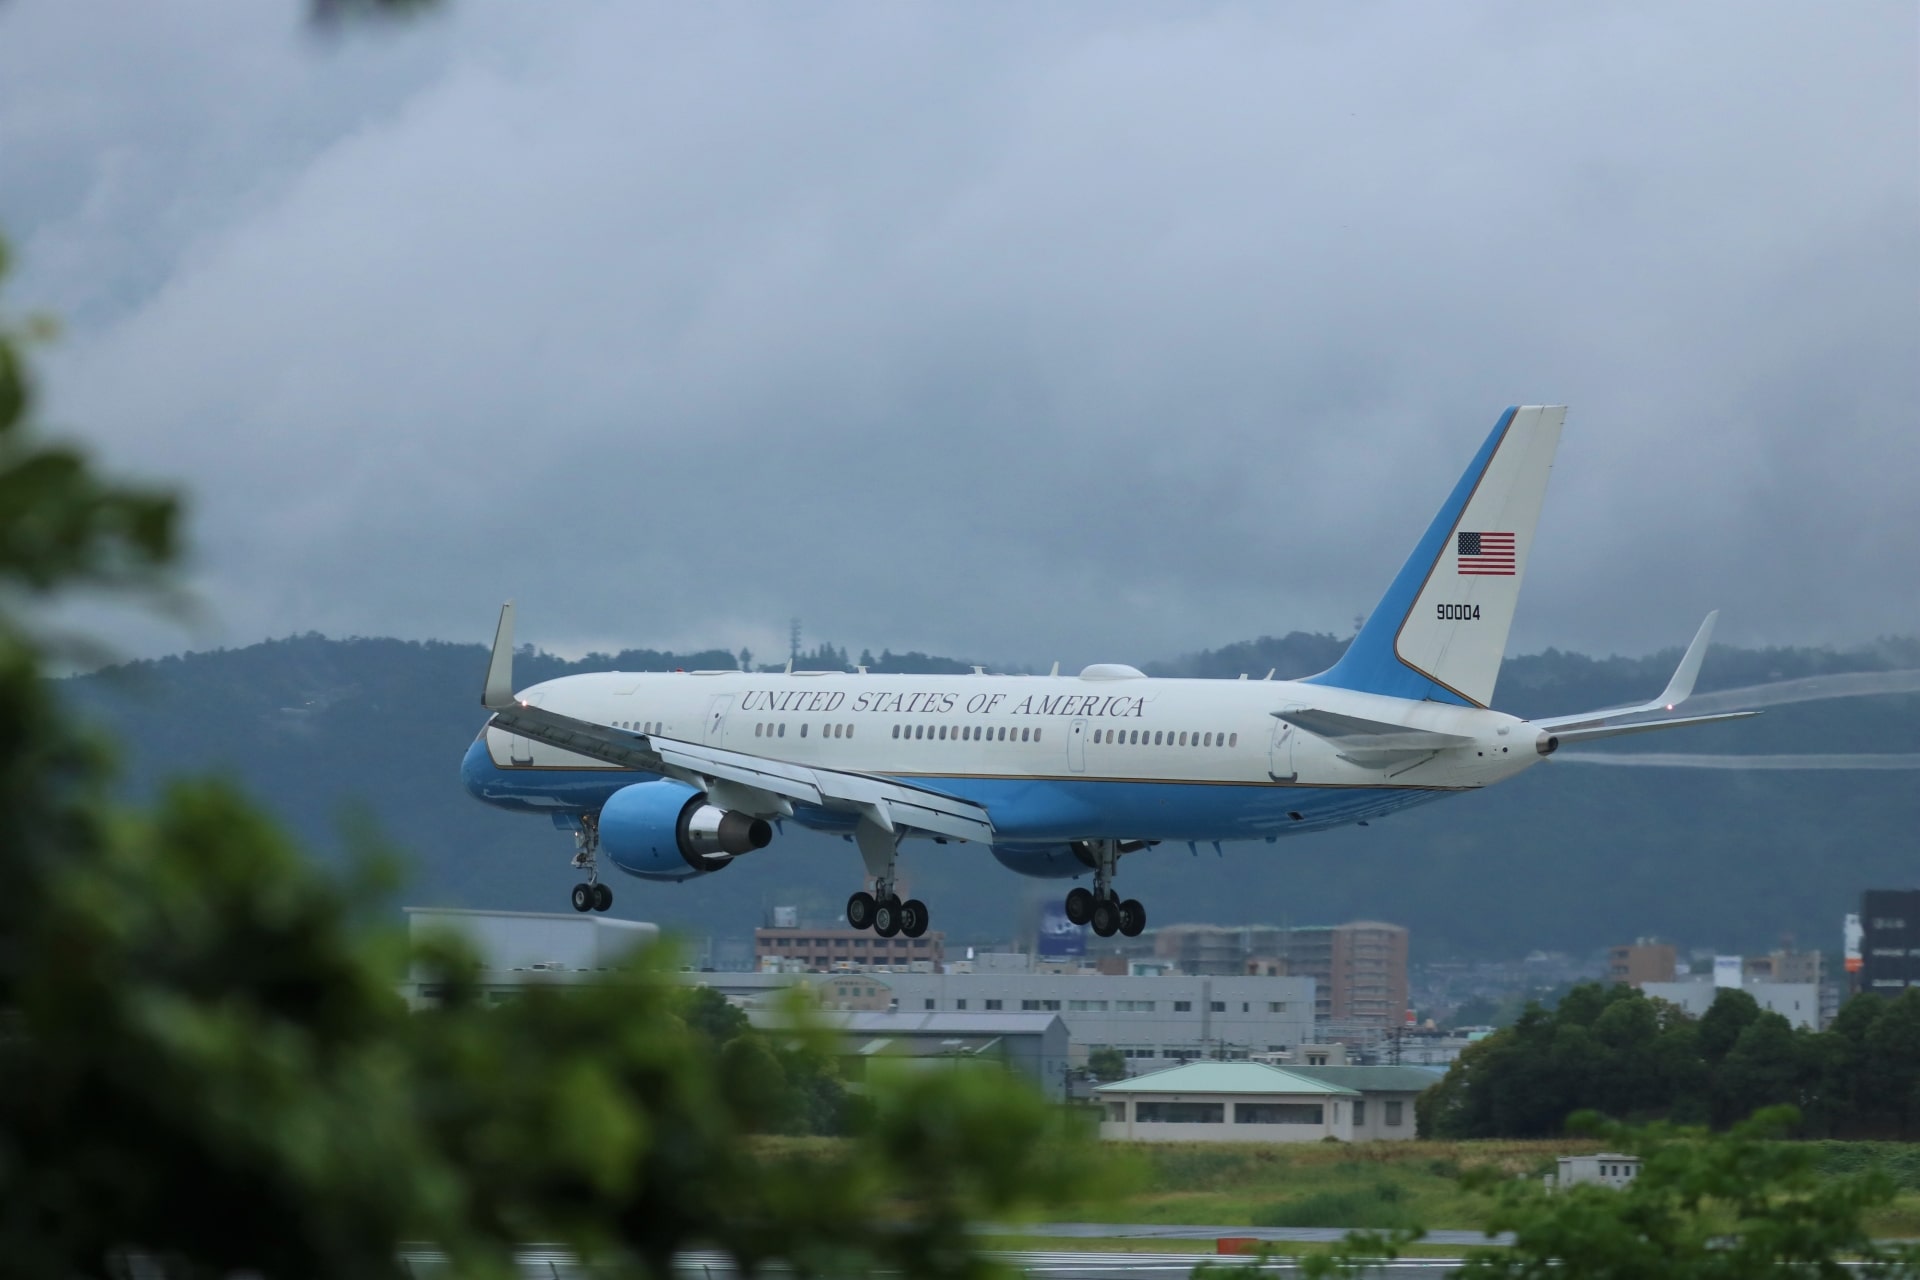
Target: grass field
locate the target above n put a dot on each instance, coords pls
(1379, 1185)
(1384, 1185)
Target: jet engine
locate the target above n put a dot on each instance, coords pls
(1044, 861)
(666, 830)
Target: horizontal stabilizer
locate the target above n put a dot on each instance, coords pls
(1596, 732)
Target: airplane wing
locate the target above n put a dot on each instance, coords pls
(1370, 743)
(774, 786)
(1589, 726)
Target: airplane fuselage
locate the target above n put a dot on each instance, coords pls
(1111, 754)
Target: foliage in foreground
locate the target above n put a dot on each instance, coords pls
(205, 1067)
(1739, 1205)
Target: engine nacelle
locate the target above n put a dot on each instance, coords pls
(1044, 861)
(666, 830)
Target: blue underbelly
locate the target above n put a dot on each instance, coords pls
(1023, 809)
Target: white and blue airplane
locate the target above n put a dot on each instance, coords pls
(676, 775)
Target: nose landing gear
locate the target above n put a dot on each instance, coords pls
(1101, 906)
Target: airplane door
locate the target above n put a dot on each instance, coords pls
(519, 749)
(1077, 746)
(1280, 767)
(717, 717)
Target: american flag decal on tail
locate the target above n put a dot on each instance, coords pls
(1485, 555)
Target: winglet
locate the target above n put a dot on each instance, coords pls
(1680, 688)
(498, 695)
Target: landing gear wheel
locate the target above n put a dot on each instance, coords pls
(602, 897)
(1133, 917)
(860, 910)
(1079, 905)
(1106, 917)
(583, 897)
(886, 917)
(913, 917)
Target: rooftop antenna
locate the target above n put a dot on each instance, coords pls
(1056, 668)
(1269, 675)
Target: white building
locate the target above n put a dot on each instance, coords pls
(1173, 1017)
(1151, 1020)
(515, 947)
(1797, 1002)
(1384, 1110)
(1607, 1169)
(1226, 1102)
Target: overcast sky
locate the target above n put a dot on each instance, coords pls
(1011, 332)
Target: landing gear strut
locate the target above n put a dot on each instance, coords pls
(882, 911)
(1101, 906)
(590, 895)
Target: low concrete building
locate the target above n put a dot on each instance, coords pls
(1797, 1002)
(1384, 1110)
(1226, 1102)
(1607, 1169)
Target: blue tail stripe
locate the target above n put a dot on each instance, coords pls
(1371, 664)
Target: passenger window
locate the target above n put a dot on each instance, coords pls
(803, 730)
(896, 731)
(943, 733)
(1036, 735)
(1024, 733)
(756, 730)
(783, 730)
(1156, 738)
(1209, 740)
(1233, 739)
(849, 732)
(1183, 739)
(1003, 733)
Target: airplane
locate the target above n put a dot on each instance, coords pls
(681, 774)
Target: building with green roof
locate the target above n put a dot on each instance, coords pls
(1226, 1102)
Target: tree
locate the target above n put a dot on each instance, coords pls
(1762, 1069)
(1107, 1064)
(1731, 1013)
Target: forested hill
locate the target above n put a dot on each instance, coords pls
(1568, 856)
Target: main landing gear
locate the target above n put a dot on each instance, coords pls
(882, 911)
(590, 895)
(1101, 906)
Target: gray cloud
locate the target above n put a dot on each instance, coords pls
(1083, 332)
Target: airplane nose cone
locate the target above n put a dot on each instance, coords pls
(477, 773)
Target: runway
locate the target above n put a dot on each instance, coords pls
(559, 1264)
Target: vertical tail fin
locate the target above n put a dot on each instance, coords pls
(1441, 630)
